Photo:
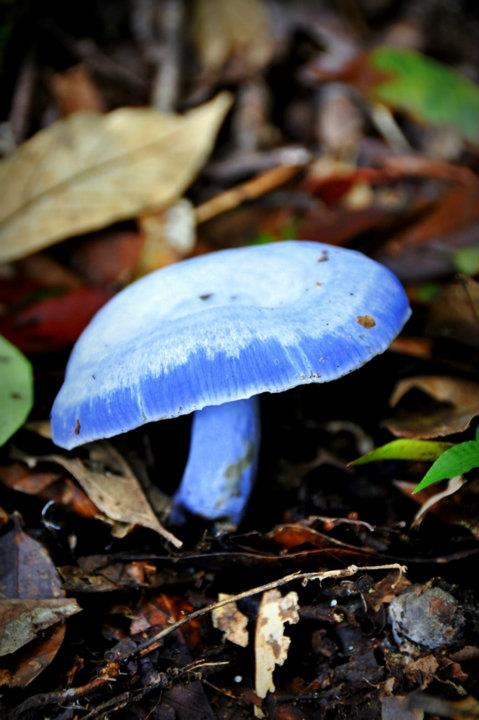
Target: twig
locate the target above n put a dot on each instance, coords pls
(112, 669)
(162, 680)
(170, 18)
(239, 164)
(248, 190)
(22, 100)
(152, 643)
(385, 123)
(108, 673)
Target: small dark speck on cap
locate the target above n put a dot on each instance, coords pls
(15, 396)
(206, 296)
(77, 427)
(367, 321)
(324, 256)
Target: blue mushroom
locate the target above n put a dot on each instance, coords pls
(207, 336)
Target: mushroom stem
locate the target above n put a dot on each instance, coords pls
(222, 461)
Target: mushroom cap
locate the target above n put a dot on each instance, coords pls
(223, 327)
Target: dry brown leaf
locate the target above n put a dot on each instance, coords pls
(454, 312)
(91, 170)
(231, 621)
(109, 259)
(26, 570)
(117, 494)
(32, 601)
(22, 620)
(74, 91)
(34, 659)
(271, 646)
(232, 33)
(462, 395)
(51, 486)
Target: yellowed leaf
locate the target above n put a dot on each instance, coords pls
(231, 621)
(271, 646)
(91, 170)
(116, 493)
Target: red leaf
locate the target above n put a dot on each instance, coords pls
(53, 323)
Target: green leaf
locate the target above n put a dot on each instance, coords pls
(405, 449)
(466, 260)
(458, 460)
(16, 389)
(427, 89)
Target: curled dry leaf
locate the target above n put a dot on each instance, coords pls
(91, 170)
(231, 621)
(463, 399)
(117, 494)
(459, 507)
(453, 485)
(271, 646)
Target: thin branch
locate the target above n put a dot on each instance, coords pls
(152, 643)
(248, 190)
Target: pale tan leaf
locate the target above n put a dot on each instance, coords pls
(117, 493)
(91, 170)
(22, 620)
(271, 646)
(231, 621)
